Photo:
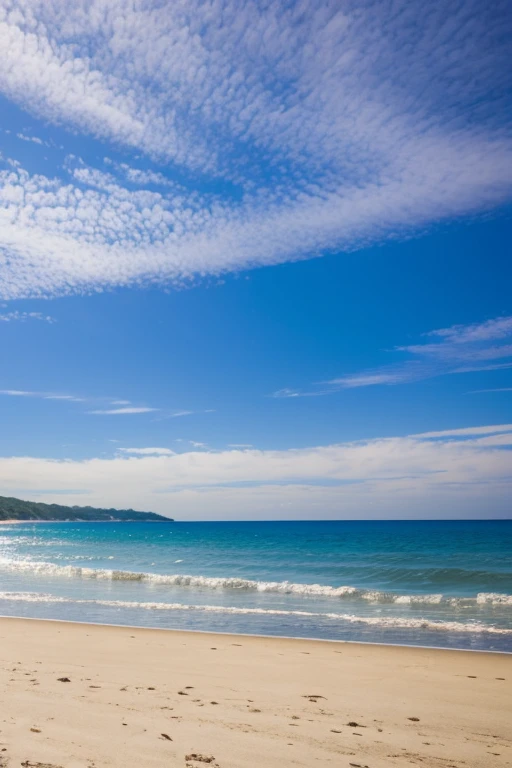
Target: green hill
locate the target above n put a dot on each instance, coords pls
(16, 509)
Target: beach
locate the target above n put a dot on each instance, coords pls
(91, 696)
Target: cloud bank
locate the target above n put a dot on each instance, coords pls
(453, 474)
(268, 133)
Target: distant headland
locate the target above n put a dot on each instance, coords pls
(15, 510)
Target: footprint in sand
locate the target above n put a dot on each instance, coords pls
(195, 757)
(30, 764)
(312, 697)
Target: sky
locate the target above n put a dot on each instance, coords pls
(255, 257)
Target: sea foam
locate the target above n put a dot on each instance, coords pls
(239, 584)
(376, 621)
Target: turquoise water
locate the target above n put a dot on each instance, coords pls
(443, 584)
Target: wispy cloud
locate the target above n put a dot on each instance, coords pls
(317, 127)
(33, 139)
(103, 405)
(42, 395)
(148, 451)
(452, 473)
(22, 317)
(498, 389)
(459, 349)
(123, 411)
(467, 431)
(180, 414)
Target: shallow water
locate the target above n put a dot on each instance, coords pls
(427, 583)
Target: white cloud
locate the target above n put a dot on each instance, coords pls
(12, 317)
(464, 474)
(287, 392)
(41, 395)
(468, 431)
(459, 349)
(179, 414)
(148, 451)
(143, 177)
(122, 406)
(18, 393)
(70, 398)
(123, 411)
(33, 139)
(319, 127)
(499, 389)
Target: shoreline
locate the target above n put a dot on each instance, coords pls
(114, 520)
(291, 638)
(79, 695)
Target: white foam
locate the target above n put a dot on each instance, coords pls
(234, 583)
(376, 621)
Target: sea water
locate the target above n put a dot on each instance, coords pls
(445, 584)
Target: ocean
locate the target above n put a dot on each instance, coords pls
(445, 584)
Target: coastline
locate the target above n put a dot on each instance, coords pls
(113, 520)
(257, 635)
(252, 700)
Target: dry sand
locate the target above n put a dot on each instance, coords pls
(134, 698)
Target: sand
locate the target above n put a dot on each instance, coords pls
(85, 696)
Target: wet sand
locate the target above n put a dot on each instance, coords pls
(85, 696)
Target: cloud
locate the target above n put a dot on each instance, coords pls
(287, 392)
(293, 128)
(462, 473)
(18, 393)
(148, 451)
(142, 177)
(241, 446)
(42, 395)
(179, 414)
(22, 317)
(34, 139)
(499, 389)
(122, 406)
(468, 431)
(123, 411)
(459, 349)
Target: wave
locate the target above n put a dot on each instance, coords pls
(234, 583)
(391, 622)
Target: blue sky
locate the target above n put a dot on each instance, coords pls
(255, 262)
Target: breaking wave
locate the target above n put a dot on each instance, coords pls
(380, 621)
(234, 583)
